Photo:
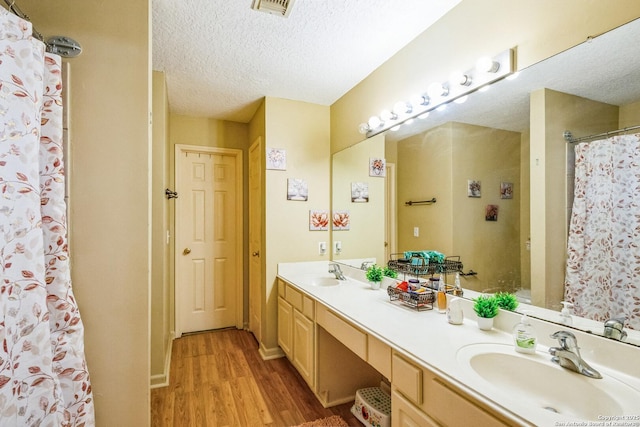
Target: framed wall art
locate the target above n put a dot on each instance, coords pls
(276, 159)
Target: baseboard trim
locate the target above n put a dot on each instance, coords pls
(270, 353)
(162, 380)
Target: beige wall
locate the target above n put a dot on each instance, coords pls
(365, 237)
(439, 163)
(424, 171)
(551, 114)
(302, 130)
(110, 188)
(538, 28)
(630, 116)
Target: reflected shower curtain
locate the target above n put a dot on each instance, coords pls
(43, 376)
(603, 264)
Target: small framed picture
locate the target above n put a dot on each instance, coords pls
(297, 189)
(474, 188)
(318, 220)
(359, 192)
(506, 190)
(377, 167)
(491, 213)
(276, 159)
(341, 220)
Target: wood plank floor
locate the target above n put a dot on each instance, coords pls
(219, 379)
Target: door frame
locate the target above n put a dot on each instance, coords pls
(182, 149)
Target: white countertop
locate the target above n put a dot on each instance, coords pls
(429, 339)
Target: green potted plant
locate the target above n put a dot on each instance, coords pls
(506, 301)
(374, 275)
(390, 272)
(486, 308)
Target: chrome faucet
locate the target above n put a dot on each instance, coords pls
(568, 355)
(613, 328)
(365, 265)
(335, 269)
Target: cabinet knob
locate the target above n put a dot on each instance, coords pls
(255, 253)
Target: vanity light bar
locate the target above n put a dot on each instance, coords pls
(486, 72)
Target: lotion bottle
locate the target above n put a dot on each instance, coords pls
(457, 289)
(565, 316)
(454, 312)
(524, 336)
(442, 296)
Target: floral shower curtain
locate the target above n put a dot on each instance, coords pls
(43, 375)
(603, 265)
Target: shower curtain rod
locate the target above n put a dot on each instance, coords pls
(569, 137)
(13, 7)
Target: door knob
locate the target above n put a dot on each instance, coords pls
(186, 251)
(255, 253)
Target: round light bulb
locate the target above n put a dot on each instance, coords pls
(419, 100)
(401, 107)
(387, 115)
(487, 65)
(459, 78)
(437, 89)
(462, 99)
(363, 128)
(513, 76)
(374, 122)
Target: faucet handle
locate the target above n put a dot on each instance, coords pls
(567, 340)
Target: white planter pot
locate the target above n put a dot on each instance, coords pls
(375, 285)
(485, 323)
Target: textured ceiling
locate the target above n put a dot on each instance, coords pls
(220, 58)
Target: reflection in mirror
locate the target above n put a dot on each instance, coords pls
(510, 139)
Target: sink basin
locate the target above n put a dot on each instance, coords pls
(546, 388)
(324, 281)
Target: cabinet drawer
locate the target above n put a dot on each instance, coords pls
(351, 337)
(379, 356)
(407, 378)
(308, 307)
(294, 297)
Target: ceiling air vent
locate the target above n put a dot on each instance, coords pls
(275, 7)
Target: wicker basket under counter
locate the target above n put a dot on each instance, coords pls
(418, 300)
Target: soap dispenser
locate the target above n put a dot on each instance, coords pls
(524, 336)
(565, 316)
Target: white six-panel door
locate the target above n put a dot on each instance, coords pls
(208, 268)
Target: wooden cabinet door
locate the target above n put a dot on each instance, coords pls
(404, 414)
(303, 346)
(285, 326)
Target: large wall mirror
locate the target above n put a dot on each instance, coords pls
(510, 233)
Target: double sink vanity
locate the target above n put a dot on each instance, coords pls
(341, 336)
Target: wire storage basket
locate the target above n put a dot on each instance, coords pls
(417, 266)
(418, 300)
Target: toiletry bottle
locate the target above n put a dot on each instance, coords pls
(565, 316)
(454, 312)
(442, 296)
(457, 289)
(524, 336)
